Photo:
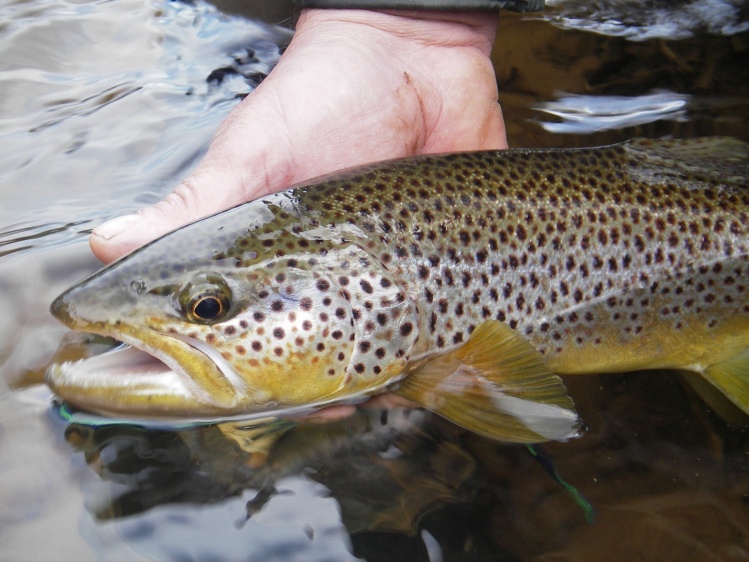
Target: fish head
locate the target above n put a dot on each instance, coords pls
(233, 324)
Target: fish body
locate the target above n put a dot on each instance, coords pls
(461, 281)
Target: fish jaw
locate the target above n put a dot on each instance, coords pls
(144, 381)
(136, 380)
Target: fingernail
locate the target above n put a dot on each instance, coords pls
(117, 226)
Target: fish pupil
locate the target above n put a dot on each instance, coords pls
(208, 308)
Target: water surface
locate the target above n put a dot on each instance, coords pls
(106, 105)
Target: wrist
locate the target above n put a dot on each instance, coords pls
(472, 29)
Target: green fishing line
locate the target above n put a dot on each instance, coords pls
(64, 412)
(546, 461)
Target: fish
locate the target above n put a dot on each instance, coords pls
(466, 283)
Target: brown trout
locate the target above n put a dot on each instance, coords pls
(462, 282)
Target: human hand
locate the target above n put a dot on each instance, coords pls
(354, 86)
(384, 401)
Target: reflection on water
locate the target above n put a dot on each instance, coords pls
(604, 89)
(653, 19)
(107, 104)
(588, 114)
(360, 481)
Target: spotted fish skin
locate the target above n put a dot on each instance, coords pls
(604, 259)
(607, 259)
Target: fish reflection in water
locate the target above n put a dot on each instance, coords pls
(662, 483)
(395, 475)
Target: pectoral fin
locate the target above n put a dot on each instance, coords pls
(496, 385)
(732, 378)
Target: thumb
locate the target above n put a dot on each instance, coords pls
(208, 190)
(237, 167)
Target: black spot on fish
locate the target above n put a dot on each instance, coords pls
(366, 286)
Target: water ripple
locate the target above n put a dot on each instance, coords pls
(28, 235)
(653, 19)
(107, 105)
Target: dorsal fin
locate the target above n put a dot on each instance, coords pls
(722, 158)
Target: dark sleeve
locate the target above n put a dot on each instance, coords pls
(514, 5)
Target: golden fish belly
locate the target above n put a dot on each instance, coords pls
(685, 321)
(683, 341)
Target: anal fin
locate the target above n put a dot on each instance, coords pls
(732, 378)
(718, 402)
(497, 385)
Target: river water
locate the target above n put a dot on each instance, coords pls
(105, 105)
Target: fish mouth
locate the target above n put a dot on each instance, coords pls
(180, 378)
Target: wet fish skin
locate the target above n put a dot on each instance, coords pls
(616, 258)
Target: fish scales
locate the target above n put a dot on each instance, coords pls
(604, 259)
(574, 249)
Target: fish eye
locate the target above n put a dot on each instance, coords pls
(208, 307)
(206, 299)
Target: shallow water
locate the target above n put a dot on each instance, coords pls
(105, 105)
